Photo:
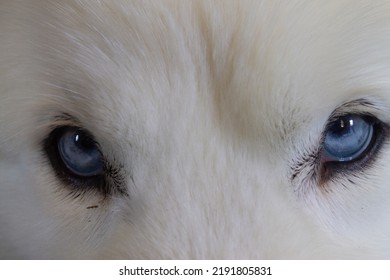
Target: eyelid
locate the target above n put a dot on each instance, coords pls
(360, 106)
(65, 120)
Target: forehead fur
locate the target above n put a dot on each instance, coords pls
(154, 49)
(128, 54)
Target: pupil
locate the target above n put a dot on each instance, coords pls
(83, 142)
(342, 126)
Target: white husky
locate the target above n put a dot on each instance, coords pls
(195, 129)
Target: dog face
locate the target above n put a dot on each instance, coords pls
(178, 129)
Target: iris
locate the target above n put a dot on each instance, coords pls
(348, 137)
(79, 153)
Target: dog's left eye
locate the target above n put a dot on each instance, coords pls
(348, 138)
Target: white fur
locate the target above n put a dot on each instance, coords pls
(204, 105)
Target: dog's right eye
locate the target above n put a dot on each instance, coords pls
(76, 158)
(79, 152)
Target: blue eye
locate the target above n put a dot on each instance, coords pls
(348, 138)
(79, 153)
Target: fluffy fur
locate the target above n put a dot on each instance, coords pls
(209, 110)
